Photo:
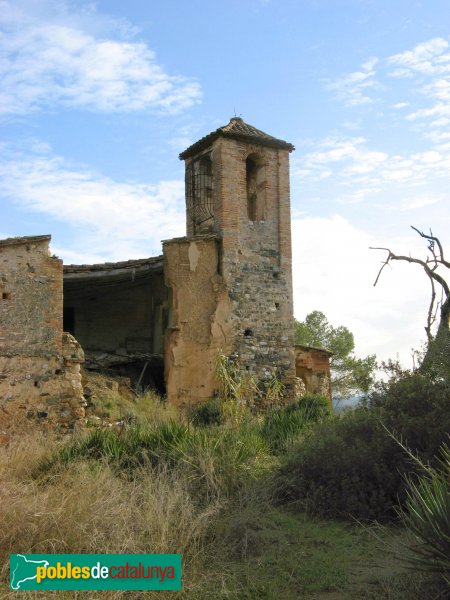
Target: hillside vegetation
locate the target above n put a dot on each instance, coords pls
(261, 504)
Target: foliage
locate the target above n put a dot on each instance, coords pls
(348, 373)
(351, 466)
(426, 516)
(206, 413)
(238, 390)
(219, 459)
(345, 467)
(416, 409)
(282, 426)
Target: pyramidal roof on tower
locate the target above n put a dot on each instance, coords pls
(237, 129)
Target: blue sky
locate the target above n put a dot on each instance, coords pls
(98, 98)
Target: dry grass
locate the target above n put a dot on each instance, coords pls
(88, 509)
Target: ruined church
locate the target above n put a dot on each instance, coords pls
(226, 286)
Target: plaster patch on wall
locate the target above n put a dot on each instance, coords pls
(194, 255)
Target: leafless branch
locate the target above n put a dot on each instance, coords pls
(434, 240)
(430, 266)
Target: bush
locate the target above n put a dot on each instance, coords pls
(207, 413)
(351, 466)
(416, 410)
(283, 426)
(346, 467)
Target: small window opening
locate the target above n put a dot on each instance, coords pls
(6, 295)
(250, 166)
(277, 305)
(248, 333)
(255, 188)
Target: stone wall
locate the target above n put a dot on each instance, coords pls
(39, 366)
(199, 318)
(256, 258)
(31, 304)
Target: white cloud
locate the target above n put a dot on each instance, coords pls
(125, 220)
(334, 272)
(354, 88)
(427, 58)
(49, 63)
(359, 171)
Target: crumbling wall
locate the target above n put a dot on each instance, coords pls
(39, 367)
(199, 318)
(312, 366)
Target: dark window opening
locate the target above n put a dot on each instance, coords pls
(6, 295)
(69, 319)
(248, 333)
(250, 167)
(277, 305)
(255, 188)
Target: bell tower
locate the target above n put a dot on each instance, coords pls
(237, 191)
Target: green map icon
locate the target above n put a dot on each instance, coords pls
(23, 569)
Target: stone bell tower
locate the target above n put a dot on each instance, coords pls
(238, 206)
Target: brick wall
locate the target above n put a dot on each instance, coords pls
(256, 258)
(312, 366)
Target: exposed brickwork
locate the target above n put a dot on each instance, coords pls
(312, 366)
(256, 260)
(39, 366)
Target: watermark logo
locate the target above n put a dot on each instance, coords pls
(95, 571)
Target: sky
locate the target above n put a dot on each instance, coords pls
(97, 99)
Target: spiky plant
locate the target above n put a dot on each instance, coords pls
(426, 516)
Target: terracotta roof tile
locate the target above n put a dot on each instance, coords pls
(238, 129)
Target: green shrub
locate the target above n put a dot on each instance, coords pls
(346, 467)
(416, 410)
(351, 466)
(283, 426)
(206, 413)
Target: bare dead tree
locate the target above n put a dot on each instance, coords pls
(439, 303)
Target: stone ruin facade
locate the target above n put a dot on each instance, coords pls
(226, 286)
(39, 364)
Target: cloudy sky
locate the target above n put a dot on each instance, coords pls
(97, 99)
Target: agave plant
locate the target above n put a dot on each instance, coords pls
(426, 516)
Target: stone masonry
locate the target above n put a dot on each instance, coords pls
(39, 366)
